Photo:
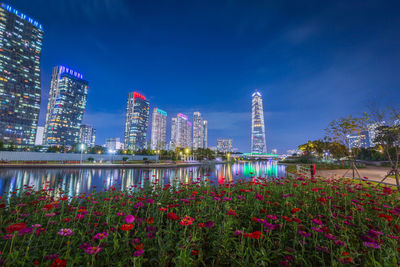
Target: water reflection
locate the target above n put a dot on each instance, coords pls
(76, 181)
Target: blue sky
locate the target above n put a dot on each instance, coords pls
(313, 61)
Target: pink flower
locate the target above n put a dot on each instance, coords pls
(100, 236)
(65, 232)
(92, 250)
(129, 218)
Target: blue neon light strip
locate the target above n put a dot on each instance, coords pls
(162, 112)
(63, 69)
(22, 16)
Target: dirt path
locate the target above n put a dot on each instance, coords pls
(371, 172)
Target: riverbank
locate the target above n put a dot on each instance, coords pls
(108, 165)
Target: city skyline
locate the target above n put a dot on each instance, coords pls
(301, 88)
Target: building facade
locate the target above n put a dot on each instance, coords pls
(137, 121)
(361, 140)
(20, 87)
(224, 145)
(66, 106)
(114, 144)
(181, 132)
(258, 144)
(87, 135)
(199, 131)
(205, 134)
(159, 129)
(39, 136)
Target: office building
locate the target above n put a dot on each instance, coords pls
(87, 135)
(20, 87)
(361, 140)
(258, 144)
(66, 106)
(39, 136)
(159, 129)
(137, 121)
(224, 145)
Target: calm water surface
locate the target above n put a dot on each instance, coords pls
(76, 181)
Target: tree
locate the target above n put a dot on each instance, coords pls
(340, 130)
(388, 135)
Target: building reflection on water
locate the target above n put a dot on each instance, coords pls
(77, 181)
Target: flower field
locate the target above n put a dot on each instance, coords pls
(294, 222)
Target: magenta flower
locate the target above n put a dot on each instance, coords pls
(65, 232)
(372, 245)
(209, 224)
(317, 221)
(92, 250)
(129, 218)
(304, 234)
(137, 253)
(100, 236)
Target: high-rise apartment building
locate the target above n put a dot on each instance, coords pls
(66, 106)
(87, 135)
(205, 134)
(181, 132)
(20, 88)
(159, 129)
(137, 121)
(224, 145)
(199, 131)
(258, 144)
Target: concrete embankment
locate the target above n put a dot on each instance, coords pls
(108, 165)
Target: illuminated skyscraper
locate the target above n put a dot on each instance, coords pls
(67, 103)
(199, 131)
(224, 145)
(257, 125)
(159, 129)
(20, 49)
(87, 135)
(181, 132)
(205, 134)
(137, 121)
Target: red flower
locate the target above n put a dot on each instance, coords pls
(322, 200)
(173, 216)
(194, 253)
(48, 207)
(59, 262)
(140, 246)
(255, 235)
(389, 218)
(201, 224)
(187, 220)
(150, 220)
(15, 227)
(126, 227)
(231, 212)
(294, 210)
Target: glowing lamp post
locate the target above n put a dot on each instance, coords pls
(112, 152)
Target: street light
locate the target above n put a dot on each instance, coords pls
(111, 151)
(82, 148)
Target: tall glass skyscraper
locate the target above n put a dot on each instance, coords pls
(87, 135)
(137, 121)
(159, 129)
(67, 103)
(20, 49)
(257, 125)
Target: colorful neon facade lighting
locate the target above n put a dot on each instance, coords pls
(258, 144)
(137, 95)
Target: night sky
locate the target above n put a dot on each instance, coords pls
(313, 61)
